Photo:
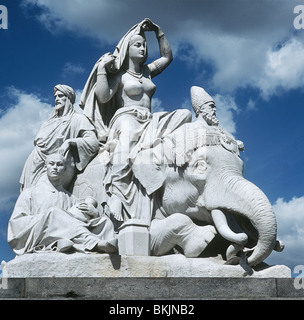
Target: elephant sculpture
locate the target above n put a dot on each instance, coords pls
(208, 186)
(205, 183)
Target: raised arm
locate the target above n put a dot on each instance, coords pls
(157, 66)
(105, 89)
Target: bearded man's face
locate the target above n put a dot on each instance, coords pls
(209, 114)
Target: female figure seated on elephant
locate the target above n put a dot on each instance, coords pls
(118, 98)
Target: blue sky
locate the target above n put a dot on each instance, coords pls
(247, 54)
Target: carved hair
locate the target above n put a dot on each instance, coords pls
(56, 154)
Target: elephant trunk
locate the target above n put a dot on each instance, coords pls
(233, 193)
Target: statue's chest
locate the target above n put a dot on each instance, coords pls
(134, 87)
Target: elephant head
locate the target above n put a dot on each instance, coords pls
(208, 178)
(226, 189)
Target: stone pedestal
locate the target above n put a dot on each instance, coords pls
(134, 238)
(103, 276)
(61, 265)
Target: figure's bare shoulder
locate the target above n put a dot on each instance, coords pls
(154, 68)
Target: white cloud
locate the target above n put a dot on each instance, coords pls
(187, 105)
(284, 69)
(156, 105)
(77, 101)
(290, 220)
(225, 111)
(18, 128)
(251, 105)
(237, 37)
(83, 18)
(71, 69)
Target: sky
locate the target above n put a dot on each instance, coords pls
(247, 54)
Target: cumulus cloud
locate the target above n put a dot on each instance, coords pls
(244, 50)
(72, 69)
(77, 101)
(156, 105)
(290, 219)
(251, 105)
(226, 109)
(18, 128)
(284, 69)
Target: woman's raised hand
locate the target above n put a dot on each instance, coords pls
(106, 60)
(148, 25)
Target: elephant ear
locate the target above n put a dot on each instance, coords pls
(148, 173)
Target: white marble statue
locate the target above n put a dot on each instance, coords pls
(46, 217)
(181, 180)
(65, 131)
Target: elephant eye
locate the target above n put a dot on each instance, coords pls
(201, 166)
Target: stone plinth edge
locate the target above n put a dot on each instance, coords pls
(103, 276)
(44, 265)
(150, 289)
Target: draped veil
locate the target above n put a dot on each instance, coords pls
(101, 113)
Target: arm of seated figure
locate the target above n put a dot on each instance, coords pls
(105, 89)
(157, 66)
(85, 210)
(77, 214)
(66, 146)
(221, 224)
(88, 136)
(88, 208)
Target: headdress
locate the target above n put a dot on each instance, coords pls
(68, 91)
(101, 115)
(199, 97)
(123, 45)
